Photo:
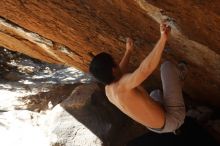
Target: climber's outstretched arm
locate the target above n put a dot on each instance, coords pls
(125, 60)
(149, 64)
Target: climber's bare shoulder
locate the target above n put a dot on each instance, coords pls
(119, 95)
(116, 90)
(136, 103)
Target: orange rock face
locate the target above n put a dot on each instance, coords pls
(71, 32)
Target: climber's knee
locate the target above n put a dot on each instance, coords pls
(174, 119)
(166, 64)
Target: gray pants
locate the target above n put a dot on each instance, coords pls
(172, 98)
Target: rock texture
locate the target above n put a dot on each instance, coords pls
(71, 32)
(29, 84)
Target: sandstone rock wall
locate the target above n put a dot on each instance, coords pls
(71, 32)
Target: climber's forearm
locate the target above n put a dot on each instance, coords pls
(149, 64)
(125, 61)
(152, 60)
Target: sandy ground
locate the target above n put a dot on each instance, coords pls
(19, 88)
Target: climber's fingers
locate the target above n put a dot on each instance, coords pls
(165, 28)
(168, 29)
(162, 27)
(129, 44)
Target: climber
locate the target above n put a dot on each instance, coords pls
(158, 113)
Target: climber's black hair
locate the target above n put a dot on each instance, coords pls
(101, 68)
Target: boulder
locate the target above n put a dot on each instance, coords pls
(72, 32)
(87, 118)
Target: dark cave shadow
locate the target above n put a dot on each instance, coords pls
(190, 133)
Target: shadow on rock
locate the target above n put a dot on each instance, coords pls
(86, 117)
